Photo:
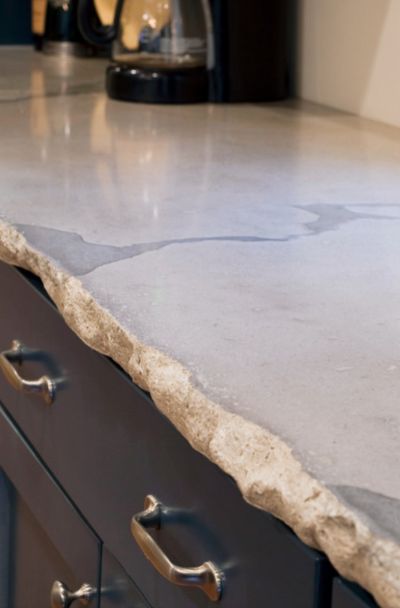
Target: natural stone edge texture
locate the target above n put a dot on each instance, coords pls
(267, 473)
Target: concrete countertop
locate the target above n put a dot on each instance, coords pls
(242, 263)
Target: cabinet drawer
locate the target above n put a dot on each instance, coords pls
(110, 447)
(42, 537)
(348, 595)
(118, 589)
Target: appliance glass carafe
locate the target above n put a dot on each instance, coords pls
(161, 48)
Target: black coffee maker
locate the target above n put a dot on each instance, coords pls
(61, 32)
(184, 51)
(250, 45)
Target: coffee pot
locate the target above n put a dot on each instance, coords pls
(179, 51)
(160, 48)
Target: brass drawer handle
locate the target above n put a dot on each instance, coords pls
(44, 386)
(207, 576)
(62, 597)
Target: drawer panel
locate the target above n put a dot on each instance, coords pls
(42, 536)
(110, 447)
(118, 589)
(348, 595)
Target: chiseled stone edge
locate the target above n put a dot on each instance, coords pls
(267, 473)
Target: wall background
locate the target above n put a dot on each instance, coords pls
(348, 56)
(15, 22)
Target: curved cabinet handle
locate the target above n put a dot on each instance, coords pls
(62, 597)
(44, 386)
(207, 576)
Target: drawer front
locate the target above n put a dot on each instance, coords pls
(42, 537)
(348, 595)
(118, 589)
(110, 447)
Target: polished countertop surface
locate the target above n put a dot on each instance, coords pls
(242, 263)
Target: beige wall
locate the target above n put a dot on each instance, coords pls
(349, 56)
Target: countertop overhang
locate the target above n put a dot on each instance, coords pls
(242, 264)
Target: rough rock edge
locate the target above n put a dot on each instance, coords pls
(263, 466)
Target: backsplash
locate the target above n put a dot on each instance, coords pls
(348, 56)
(15, 22)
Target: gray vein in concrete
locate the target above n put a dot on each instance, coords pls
(382, 511)
(81, 257)
(332, 217)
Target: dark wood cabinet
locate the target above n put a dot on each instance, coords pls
(118, 590)
(349, 595)
(7, 502)
(78, 470)
(44, 539)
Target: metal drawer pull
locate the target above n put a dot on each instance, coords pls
(62, 597)
(44, 386)
(207, 576)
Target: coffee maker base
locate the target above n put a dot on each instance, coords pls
(66, 48)
(129, 83)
